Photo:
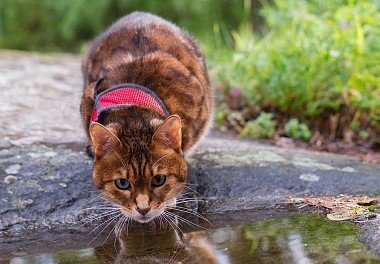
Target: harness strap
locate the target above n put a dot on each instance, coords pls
(127, 94)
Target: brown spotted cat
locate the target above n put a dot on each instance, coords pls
(146, 101)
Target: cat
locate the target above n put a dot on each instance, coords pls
(146, 101)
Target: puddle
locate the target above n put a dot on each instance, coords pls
(296, 239)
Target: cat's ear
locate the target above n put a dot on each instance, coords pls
(103, 139)
(168, 135)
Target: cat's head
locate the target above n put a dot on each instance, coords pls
(142, 173)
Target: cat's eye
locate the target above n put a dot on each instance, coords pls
(158, 180)
(122, 184)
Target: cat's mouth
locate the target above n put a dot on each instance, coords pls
(143, 218)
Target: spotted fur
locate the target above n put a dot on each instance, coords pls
(136, 143)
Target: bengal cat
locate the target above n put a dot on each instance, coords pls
(147, 101)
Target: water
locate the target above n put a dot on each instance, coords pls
(296, 239)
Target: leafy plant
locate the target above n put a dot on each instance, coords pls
(262, 127)
(318, 61)
(295, 129)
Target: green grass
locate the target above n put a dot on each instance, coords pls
(318, 63)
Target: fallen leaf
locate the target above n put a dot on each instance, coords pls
(367, 201)
(338, 216)
(342, 207)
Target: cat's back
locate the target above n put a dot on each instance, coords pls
(144, 23)
(139, 34)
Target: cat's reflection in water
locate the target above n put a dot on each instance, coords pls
(166, 246)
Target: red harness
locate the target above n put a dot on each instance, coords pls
(127, 94)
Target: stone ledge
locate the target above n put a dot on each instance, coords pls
(53, 183)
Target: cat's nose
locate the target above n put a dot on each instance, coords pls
(143, 211)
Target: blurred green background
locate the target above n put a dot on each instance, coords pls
(304, 69)
(65, 25)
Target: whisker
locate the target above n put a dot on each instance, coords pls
(112, 230)
(159, 159)
(164, 218)
(100, 208)
(185, 220)
(126, 224)
(117, 228)
(90, 201)
(175, 255)
(120, 158)
(174, 203)
(182, 200)
(169, 220)
(127, 221)
(188, 201)
(109, 222)
(188, 211)
(173, 218)
(91, 218)
(96, 195)
(187, 195)
(186, 258)
(103, 211)
(161, 225)
(191, 189)
(196, 198)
